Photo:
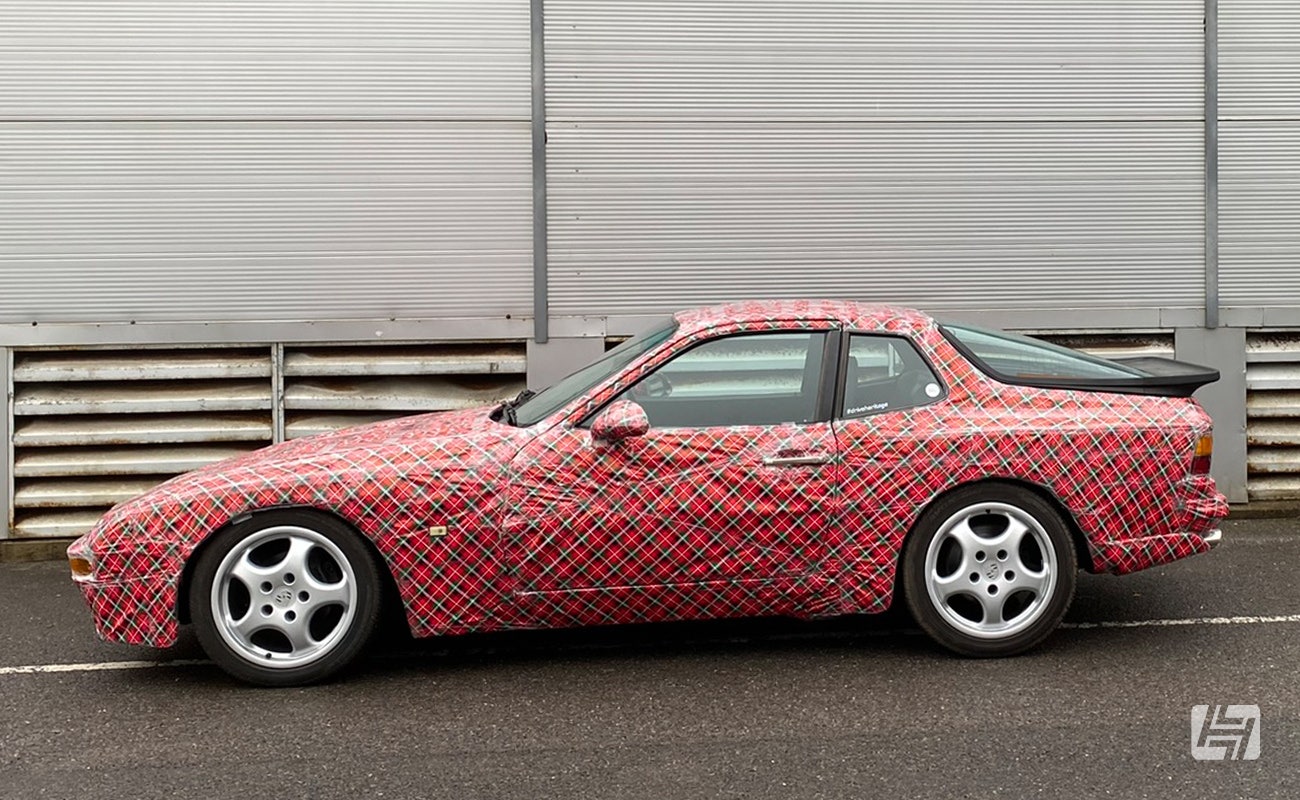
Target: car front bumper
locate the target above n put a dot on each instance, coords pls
(139, 609)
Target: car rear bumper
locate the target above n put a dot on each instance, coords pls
(1189, 526)
(1122, 556)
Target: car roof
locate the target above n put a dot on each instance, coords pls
(855, 315)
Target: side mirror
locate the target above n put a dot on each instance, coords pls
(621, 419)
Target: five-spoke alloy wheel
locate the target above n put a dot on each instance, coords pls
(990, 570)
(285, 597)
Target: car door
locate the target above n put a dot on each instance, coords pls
(733, 485)
(890, 408)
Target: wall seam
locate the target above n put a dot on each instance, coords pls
(541, 312)
(1211, 164)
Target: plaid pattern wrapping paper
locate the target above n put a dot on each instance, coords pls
(545, 527)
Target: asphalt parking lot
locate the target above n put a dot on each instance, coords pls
(858, 707)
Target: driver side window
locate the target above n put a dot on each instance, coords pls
(743, 379)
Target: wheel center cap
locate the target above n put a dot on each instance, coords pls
(992, 571)
(283, 596)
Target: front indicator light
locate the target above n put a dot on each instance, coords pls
(81, 567)
(1204, 452)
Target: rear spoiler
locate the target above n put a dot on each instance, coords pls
(1164, 377)
(1169, 378)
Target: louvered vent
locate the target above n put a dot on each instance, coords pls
(1116, 345)
(331, 387)
(95, 427)
(1273, 415)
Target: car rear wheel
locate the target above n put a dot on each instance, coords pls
(285, 598)
(990, 570)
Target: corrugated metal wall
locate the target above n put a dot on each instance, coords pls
(1259, 140)
(948, 154)
(278, 159)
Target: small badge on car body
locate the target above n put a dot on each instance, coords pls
(438, 530)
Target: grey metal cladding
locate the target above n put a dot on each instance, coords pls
(278, 59)
(1259, 212)
(270, 161)
(1259, 66)
(1259, 164)
(848, 59)
(946, 154)
(953, 216)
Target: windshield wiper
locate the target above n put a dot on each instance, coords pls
(507, 408)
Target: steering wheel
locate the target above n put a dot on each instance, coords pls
(654, 386)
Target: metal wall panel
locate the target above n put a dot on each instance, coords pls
(1259, 212)
(201, 221)
(945, 154)
(1259, 59)
(279, 160)
(1259, 140)
(974, 215)
(893, 59)
(260, 59)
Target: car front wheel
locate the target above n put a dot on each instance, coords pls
(284, 598)
(990, 570)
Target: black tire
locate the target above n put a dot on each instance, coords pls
(332, 630)
(945, 596)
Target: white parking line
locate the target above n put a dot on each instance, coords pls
(98, 666)
(1164, 623)
(109, 666)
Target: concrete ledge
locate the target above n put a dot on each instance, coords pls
(15, 550)
(1266, 509)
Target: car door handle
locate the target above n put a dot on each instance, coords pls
(796, 460)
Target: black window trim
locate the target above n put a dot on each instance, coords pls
(841, 378)
(825, 399)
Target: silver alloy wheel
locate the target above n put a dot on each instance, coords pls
(284, 597)
(991, 570)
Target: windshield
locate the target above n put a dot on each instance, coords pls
(557, 396)
(1010, 355)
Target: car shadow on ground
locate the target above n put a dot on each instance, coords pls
(664, 638)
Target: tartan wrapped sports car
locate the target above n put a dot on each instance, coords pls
(801, 458)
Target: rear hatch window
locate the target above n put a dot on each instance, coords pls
(1023, 360)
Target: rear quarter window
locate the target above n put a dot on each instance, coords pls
(1010, 356)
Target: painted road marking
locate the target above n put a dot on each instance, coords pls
(1165, 623)
(98, 666)
(110, 666)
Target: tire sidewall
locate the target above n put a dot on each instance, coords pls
(364, 621)
(914, 581)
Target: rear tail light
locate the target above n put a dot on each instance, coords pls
(1201, 460)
